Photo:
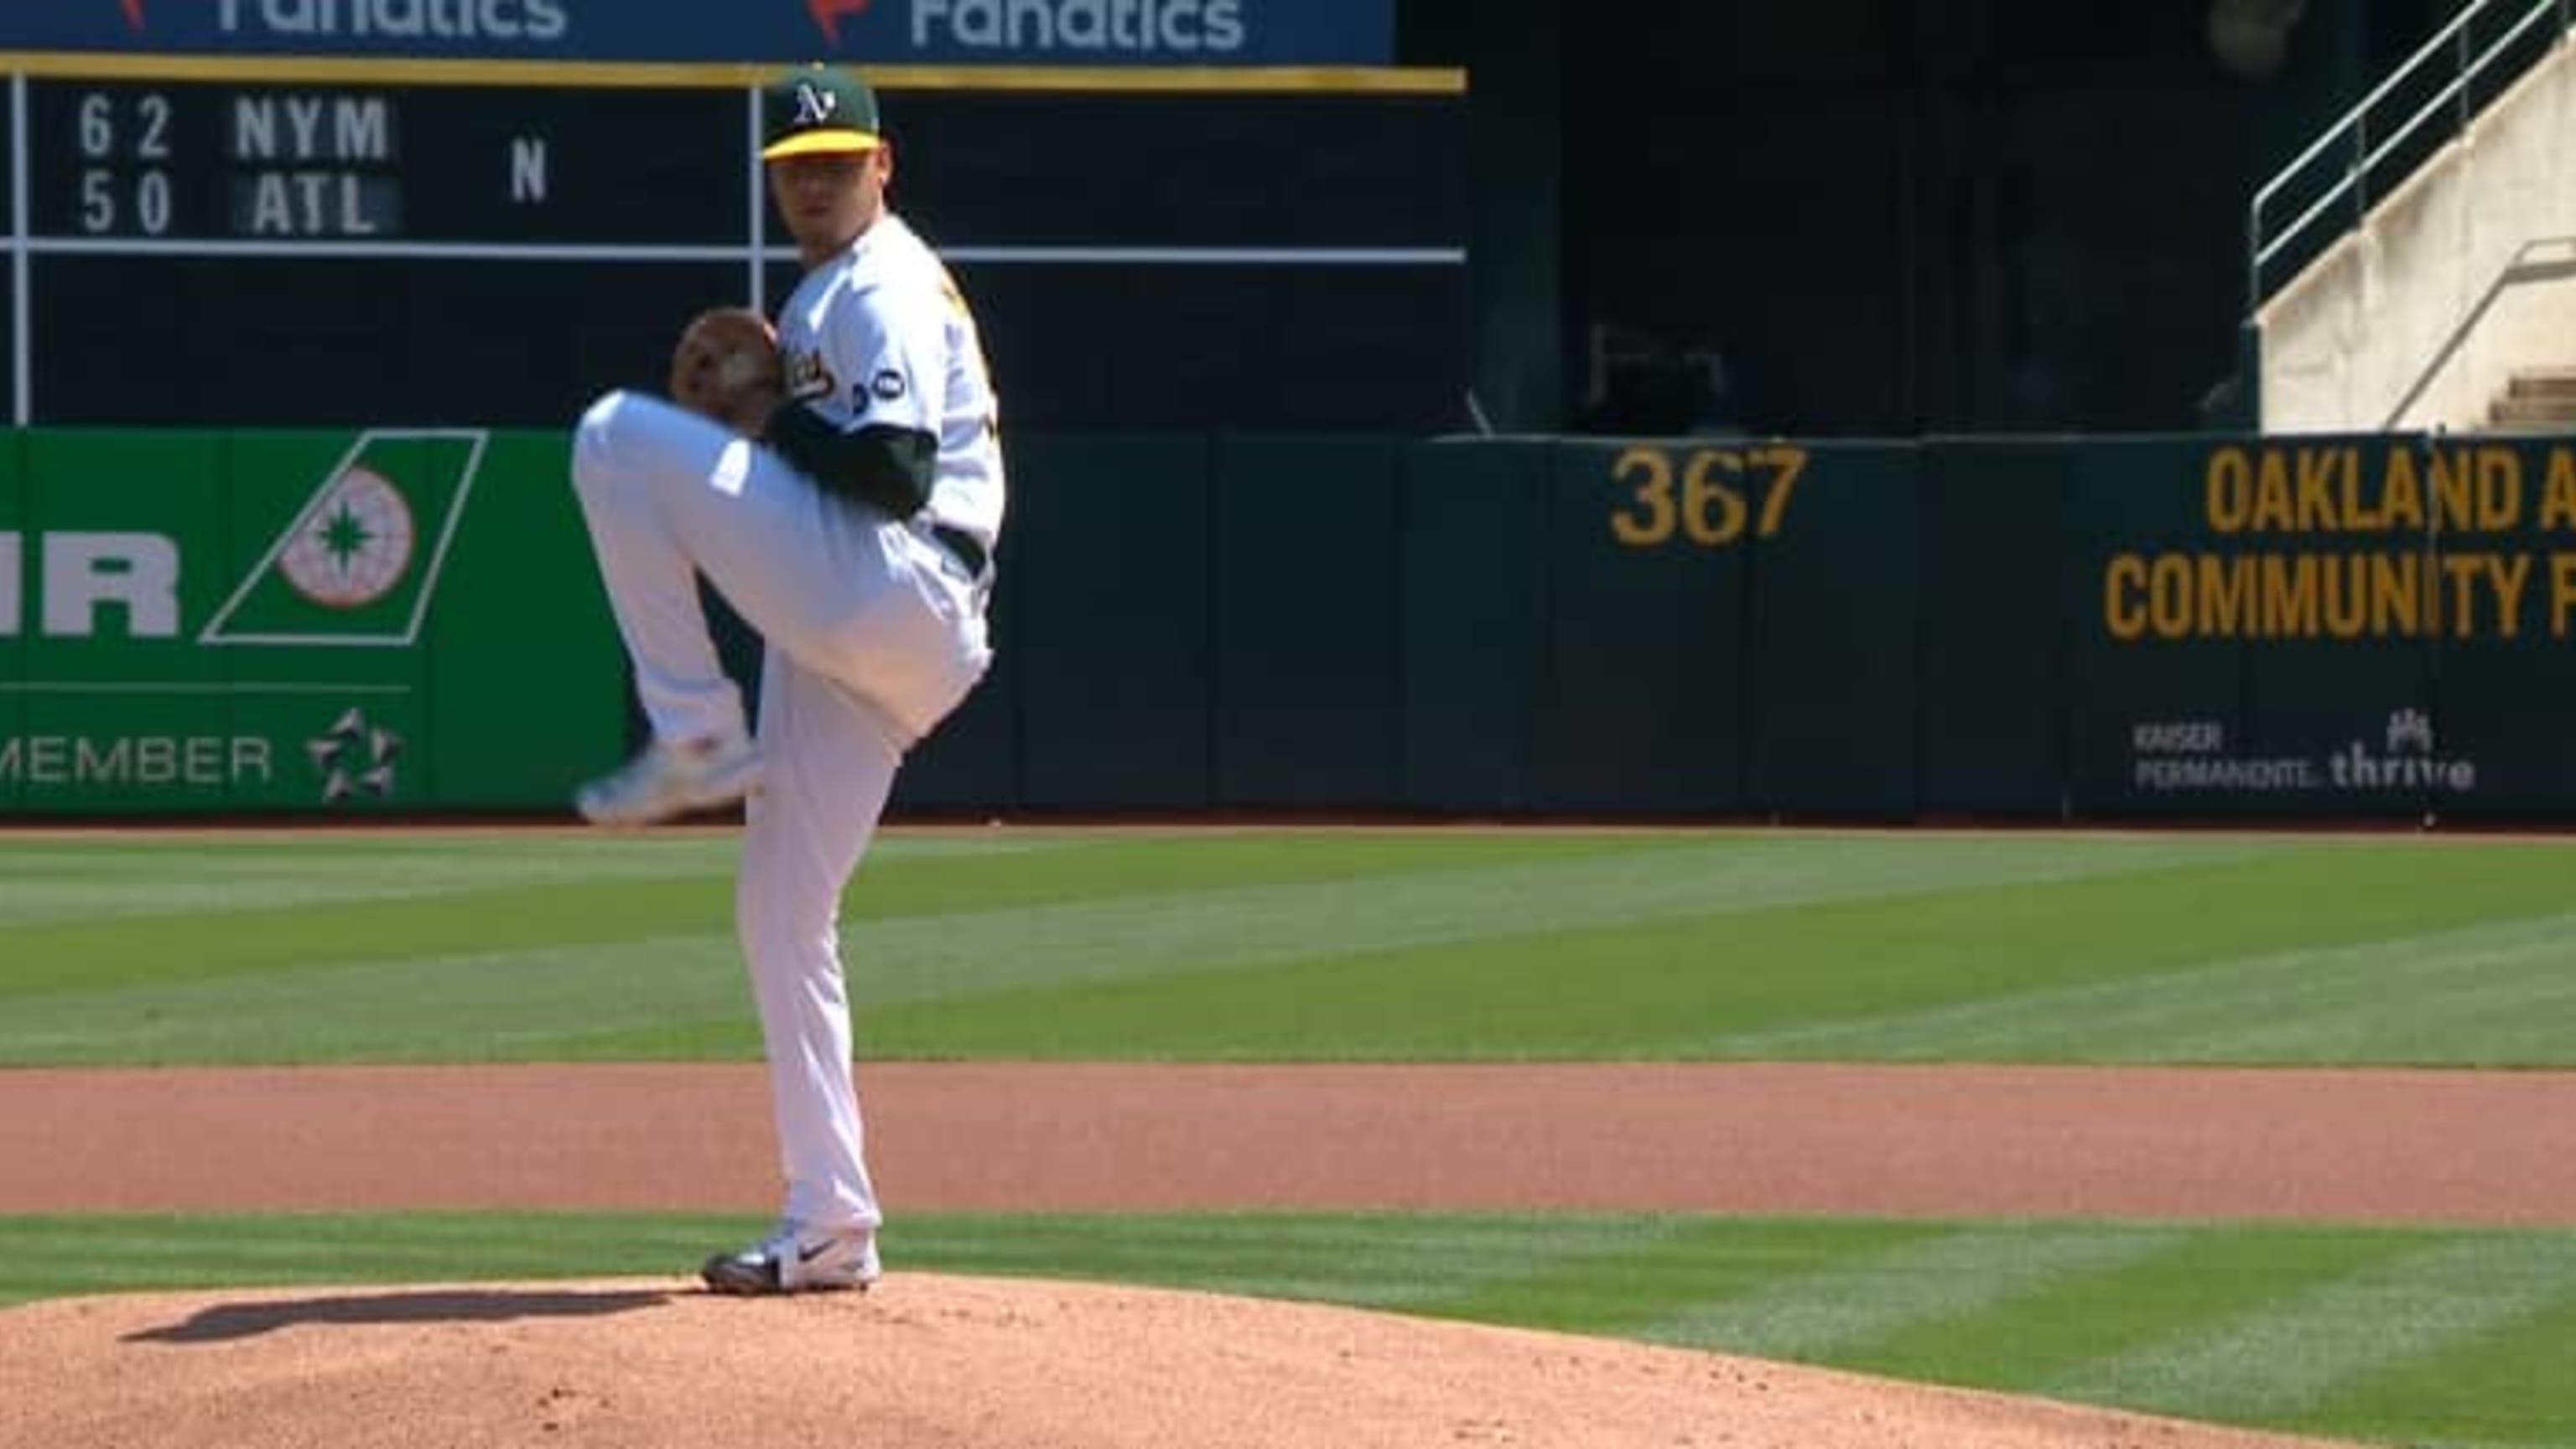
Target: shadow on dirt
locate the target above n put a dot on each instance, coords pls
(223, 1322)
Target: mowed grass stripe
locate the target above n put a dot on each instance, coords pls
(2184, 1276)
(2501, 1002)
(61, 913)
(65, 1257)
(2278, 1360)
(1612, 947)
(1683, 1261)
(211, 988)
(1228, 929)
(1882, 1296)
(1783, 980)
(77, 882)
(1423, 1263)
(157, 951)
(2493, 991)
(612, 907)
(533, 1005)
(2553, 1435)
(1851, 1305)
(2506, 1386)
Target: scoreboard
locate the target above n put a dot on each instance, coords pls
(195, 252)
(245, 163)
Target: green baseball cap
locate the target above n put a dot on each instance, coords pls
(818, 110)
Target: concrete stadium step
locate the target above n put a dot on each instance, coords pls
(2536, 400)
(2543, 382)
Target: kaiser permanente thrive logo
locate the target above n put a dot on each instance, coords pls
(2195, 755)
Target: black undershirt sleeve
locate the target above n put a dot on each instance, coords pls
(888, 466)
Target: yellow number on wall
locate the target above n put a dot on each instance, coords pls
(1713, 511)
(1788, 464)
(1713, 504)
(1652, 472)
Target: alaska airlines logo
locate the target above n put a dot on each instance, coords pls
(827, 15)
(358, 564)
(352, 549)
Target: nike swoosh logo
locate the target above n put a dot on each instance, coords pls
(807, 1255)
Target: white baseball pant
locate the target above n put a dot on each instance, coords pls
(874, 632)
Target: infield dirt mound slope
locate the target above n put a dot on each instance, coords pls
(928, 1360)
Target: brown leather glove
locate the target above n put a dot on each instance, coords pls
(726, 367)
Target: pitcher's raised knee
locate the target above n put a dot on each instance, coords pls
(592, 439)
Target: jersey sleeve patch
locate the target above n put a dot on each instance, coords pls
(809, 376)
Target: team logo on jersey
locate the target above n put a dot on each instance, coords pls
(808, 378)
(887, 385)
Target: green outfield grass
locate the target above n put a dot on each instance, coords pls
(1312, 946)
(2414, 1337)
(185, 948)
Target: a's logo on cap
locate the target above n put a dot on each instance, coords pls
(814, 107)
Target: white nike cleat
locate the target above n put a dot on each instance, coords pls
(671, 779)
(792, 1260)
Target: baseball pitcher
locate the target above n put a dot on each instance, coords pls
(839, 478)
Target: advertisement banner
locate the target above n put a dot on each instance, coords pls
(764, 32)
(2320, 626)
(267, 622)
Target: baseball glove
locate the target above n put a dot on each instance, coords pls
(726, 367)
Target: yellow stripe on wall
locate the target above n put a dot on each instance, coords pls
(402, 70)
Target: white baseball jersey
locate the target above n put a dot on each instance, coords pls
(881, 334)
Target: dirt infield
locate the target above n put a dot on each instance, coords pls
(2361, 1146)
(931, 1360)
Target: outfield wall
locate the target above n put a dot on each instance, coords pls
(2181, 628)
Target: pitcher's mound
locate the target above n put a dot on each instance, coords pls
(929, 1360)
